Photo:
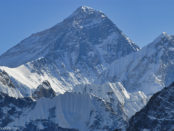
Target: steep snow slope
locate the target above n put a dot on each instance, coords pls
(70, 110)
(147, 70)
(12, 109)
(114, 93)
(158, 114)
(87, 36)
(29, 76)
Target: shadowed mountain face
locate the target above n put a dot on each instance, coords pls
(157, 114)
(44, 90)
(87, 36)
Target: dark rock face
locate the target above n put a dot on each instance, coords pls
(158, 114)
(44, 90)
(5, 79)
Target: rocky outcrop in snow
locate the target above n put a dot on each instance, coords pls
(7, 86)
(44, 90)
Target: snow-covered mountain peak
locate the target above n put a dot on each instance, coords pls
(162, 39)
(86, 36)
(164, 33)
(149, 69)
(87, 11)
(84, 65)
(85, 17)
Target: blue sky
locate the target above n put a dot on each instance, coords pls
(140, 20)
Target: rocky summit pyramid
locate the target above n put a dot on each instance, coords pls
(58, 72)
(86, 36)
(82, 74)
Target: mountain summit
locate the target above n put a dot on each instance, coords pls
(149, 69)
(63, 70)
(85, 11)
(86, 34)
(84, 74)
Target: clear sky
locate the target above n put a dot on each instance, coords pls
(140, 20)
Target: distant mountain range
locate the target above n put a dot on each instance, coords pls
(82, 74)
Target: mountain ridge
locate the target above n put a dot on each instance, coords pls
(157, 114)
(85, 58)
(147, 70)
